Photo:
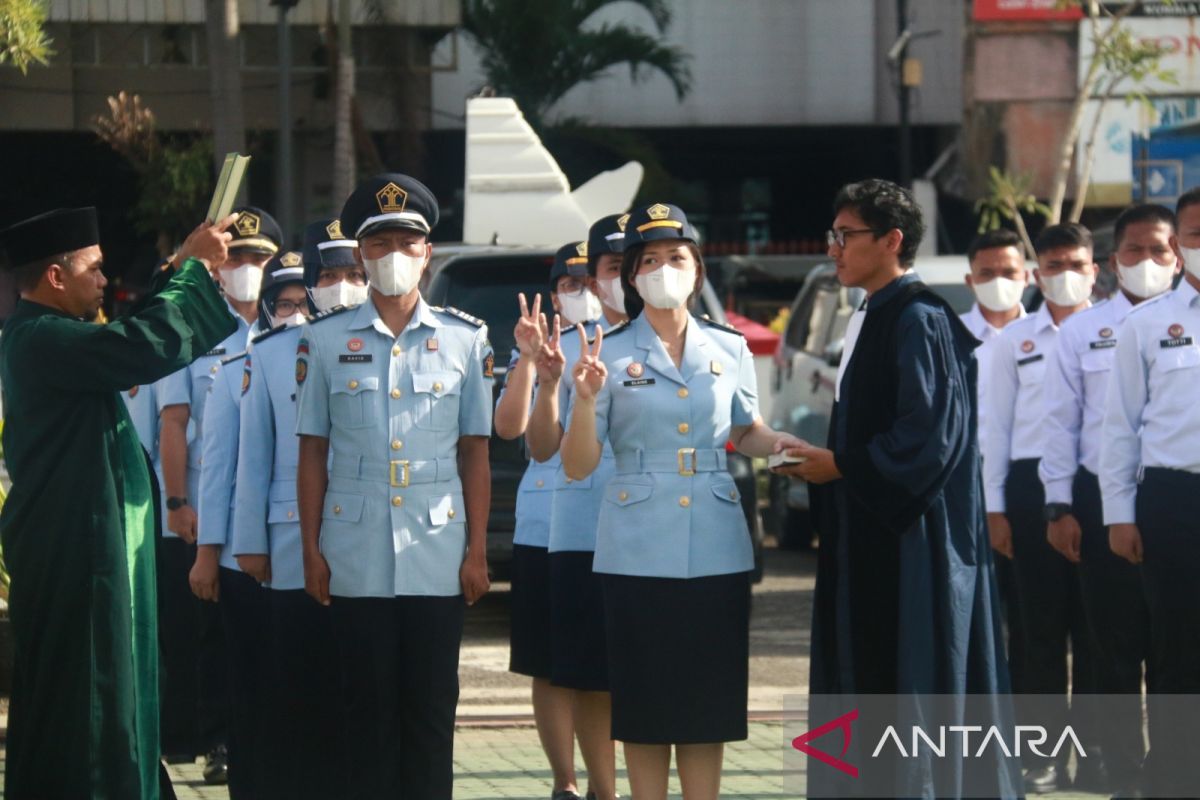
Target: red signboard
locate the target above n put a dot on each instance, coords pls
(993, 10)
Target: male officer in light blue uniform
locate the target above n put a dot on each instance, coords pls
(394, 528)
(142, 404)
(193, 681)
(266, 533)
(216, 576)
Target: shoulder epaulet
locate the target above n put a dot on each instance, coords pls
(613, 331)
(464, 316)
(713, 323)
(232, 359)
(269, 333)
(321, 316)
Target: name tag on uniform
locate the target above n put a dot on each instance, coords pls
(1023, 361)
(1182, 341)
(640, 382)
(355, 358)
(216, 351)
(1103, 344)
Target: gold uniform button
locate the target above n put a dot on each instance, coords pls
(395, 394)
(397, 444)
(540, 484)
(684, 427)
(214, 369)
(396, 350)
(685, 501)
(437, 386)
(623, 496)
(733, 495)
(397, 501)
(682, 393)
(353, 384)
(570, 480)
(291, 514)
(450, 513)
(337, 509)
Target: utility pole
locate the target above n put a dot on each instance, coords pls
(902, 60)
(283, 169)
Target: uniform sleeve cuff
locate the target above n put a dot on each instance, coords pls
(1120, 510)
(1058, 491)
(993, 500)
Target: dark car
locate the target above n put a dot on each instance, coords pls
(484, 282)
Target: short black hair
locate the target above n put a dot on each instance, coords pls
(1146, 212)
(1000, 237)
(1064, 234)
(885, 206)
(27, 276)
(1189, 198)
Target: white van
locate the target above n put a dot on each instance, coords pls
(806, 365)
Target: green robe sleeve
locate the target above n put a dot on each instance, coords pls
(184, 320)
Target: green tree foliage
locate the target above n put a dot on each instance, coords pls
(535, 51)
(1009, 197)
(23, 40)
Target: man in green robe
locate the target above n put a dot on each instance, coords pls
(78, 526)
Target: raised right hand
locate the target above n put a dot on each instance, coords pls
(529, 332)
(208, 243)
(589, 372)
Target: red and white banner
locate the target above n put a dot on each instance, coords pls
(997, 10)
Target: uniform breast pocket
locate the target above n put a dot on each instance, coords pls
(446, 510)
(1031, 373)
(726, 490)
(343, 507)
(437, 394)
(1173, 359)
(353, 399)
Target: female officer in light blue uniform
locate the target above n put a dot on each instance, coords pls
(668, 392)
(532, 646)
(242, 602)
(266, 534)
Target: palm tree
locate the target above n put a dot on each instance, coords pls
(535, 51)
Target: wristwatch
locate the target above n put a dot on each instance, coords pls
(1053, 512)
(176, 503)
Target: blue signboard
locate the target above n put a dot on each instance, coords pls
(1166, 164)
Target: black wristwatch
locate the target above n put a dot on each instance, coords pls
(176, 503)
(1053, 512)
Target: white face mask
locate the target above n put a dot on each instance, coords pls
(1147, 278)
(342, 293)
(395, 274)
(998, 294)
(295, 319)
(1191, 260)
(242, 283)
(1069, 288)
(614, 294)
(580, 306)
(666, 287)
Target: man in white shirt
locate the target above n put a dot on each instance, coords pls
(1076, 384)
(998, 279)
(1012, 446)
(1150, 483)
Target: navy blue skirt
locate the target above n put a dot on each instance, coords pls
(678, 658)
(529, 601)
(579, 658)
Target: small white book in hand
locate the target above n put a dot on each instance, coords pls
(776, 460)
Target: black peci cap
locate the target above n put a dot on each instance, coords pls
(63, 230)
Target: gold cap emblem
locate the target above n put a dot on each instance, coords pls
(622, 221)
(658, 211)
(248, 224)
(391, 199)
(581, 249)
(334, 229)
(291, 259)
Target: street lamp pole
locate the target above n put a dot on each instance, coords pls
(905, 125)
(283, 169)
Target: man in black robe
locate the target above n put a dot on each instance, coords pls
(906, 601)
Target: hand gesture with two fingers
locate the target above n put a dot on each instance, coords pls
(589, 372)
(530, 331)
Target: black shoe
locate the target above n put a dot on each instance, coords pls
(1042, 780)
(216, 766)
(564, 794)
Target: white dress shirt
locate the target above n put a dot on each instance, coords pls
(853, 329)
(1075, 389)
(1152, 412)
(1014, 398)
(984, 331)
